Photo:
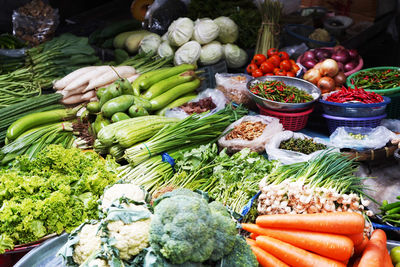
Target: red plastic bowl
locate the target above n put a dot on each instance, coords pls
(11, 257)
(359, 66)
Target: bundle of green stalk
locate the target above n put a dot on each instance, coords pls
(268, 34)
(147, 62)
(195, 129)
(41, 103)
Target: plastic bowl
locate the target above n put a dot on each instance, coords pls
(382, 91)
(359, 66)
(279, 106)
(354, 110)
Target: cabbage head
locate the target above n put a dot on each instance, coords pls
(205, 31)
(235, 56)
(188, 53)
(211, 53)
(149, 44)
(180, 31)
(228, 30)
(165, 50)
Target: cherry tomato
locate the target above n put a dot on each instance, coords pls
(290, 74)
(257, 73)
(251, 67)
(295, 68)
(283, 55)
(285, 65)
(253, 62)
(267, 67)
(292, 62)
(259, 58)
(272, 51)
(280, 72)
(275, 60)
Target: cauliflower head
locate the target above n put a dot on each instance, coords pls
(89, 242)
(97, 263)
(225, 234)
(240, 256)
(131, 238)
(182, 229)
(130, 191)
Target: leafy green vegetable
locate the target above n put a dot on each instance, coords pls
(57, 191)
(241, 256)
(5, 243)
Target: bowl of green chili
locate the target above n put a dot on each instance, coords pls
(283, 93)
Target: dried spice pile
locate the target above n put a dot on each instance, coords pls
(200, 106)
(305, 146)
(247, 130)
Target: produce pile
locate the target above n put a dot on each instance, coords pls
(357, 95)
(377, 79)
(391, 212)
(305, 146)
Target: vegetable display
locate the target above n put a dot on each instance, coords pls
(354, 95)
(377, 79)
(305, 146)
(391, 212)
(280, 92)
(246, 130)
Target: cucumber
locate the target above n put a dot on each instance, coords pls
(179, 102)
(93, 107)
(146, 83)
(164, 85)
(119, 116)
(34, 120)
(118, 104)
(137, 111)
(163, 100)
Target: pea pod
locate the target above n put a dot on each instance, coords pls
(93, 107)
(119, 116)
(100, 123)
(137, 111)
(118, 104)
(164, 85)
(180, 101)
(163, 100)
(146, 83)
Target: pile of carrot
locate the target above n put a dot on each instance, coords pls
(320, 239)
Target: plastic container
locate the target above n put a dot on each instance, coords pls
(290, 121)
(393, 109)
(334, 121)
(382, 91)
(298, 33)
(355, 110)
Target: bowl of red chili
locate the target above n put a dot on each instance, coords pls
(354, 103)
(283, 93)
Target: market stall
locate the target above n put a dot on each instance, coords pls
(197, 133)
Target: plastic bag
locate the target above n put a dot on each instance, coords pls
(360, 138)
(391, 124)
(234, 87)
(287, 156)
(35, 22)
(217, 97)
(257, 144)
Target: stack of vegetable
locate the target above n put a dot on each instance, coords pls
(377, 79)
(323, 239)
(391, 212)
(305, 146)
(57, 191)
(356, 95)
(272, 63)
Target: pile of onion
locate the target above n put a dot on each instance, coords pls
(326, 75)
(347, 59)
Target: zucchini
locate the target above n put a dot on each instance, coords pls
(179, 102)
(119, 116)
(118, 104)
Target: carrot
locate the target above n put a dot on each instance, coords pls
(374, 253)
(253, 236)
(387, 261)
(331, 222)
(292, 255)
(265, 259)
(251, 242)
(358, 250)
(357, 238)
(337, 247)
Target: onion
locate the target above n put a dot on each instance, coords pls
(309, 64)
(322, 53)
(341, 66)
(350, 66)
(338, 47)
(341, 56)
(318, 66)
(312, 76)
(326, 84)
(329, 68)
(339, 79)
(353, 53)
(309, 55)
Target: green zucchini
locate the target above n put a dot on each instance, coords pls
(136, 82)
(119, 116)
(118, 104)
(163, 100)
(179, 102)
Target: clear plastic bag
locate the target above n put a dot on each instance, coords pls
(287, 156)
(257, 144)
(391, 124)
(217, 97)
(360, 138)
(234, 87)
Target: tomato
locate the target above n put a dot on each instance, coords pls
(292, 62)
(285, 65)
(269, 74)
(295, 68)
(267, 67)
(257, 73)
(280, 72)
(251, 67)
(272, 51)
(275, 60)
(290, 74)
(253, 62)
(275, 71)
(259, 58)
(283, 55)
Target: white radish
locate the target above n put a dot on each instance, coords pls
(85, 78)
(110, 76)
(94, 99)
(75, 91)
(74, 99)
(88, 95)
(62, 83)
(132, 78)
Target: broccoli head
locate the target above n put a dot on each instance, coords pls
(182, 229)
(241, 255)
(225, 234)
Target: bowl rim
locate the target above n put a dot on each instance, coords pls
(386, 101)
(289, 104)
